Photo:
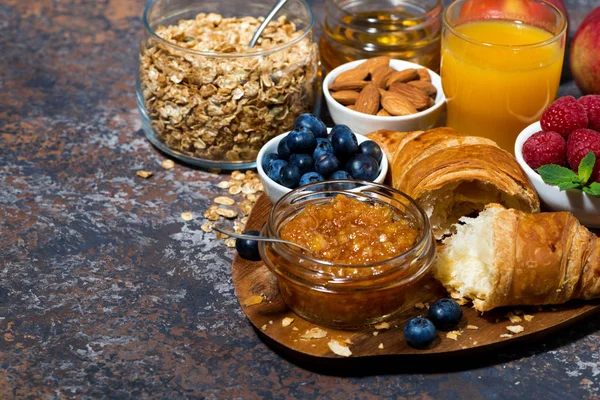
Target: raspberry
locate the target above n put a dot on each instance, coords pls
(564, 116)
(580, 143)
(543, 148)
(591, 104)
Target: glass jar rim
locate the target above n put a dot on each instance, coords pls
(425, 235)
(215, 54)
(554, 38)
(432, 13)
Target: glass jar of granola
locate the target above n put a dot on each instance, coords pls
(206, 97)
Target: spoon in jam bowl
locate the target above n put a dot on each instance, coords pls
(260, 238)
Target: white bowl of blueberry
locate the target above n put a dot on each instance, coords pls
(312, 153)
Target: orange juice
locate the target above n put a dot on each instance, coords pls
(498, 77)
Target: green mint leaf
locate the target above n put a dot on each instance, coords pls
(593, 189)
(586, 166)
(559, 176)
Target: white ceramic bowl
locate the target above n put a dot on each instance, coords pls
(584, 206)
(364, 123)
(275, 191)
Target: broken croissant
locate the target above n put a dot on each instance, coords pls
(507, 257)
(451, 175)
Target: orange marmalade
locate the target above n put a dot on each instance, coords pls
(349, 231)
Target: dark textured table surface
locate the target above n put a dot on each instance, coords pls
(106, 292)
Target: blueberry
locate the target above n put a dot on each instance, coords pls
(445, 314)
(370, 148)
(323, 147)
(340, 175)
(363, 167)
(337, 128)
(310, 177)
(327, 164)
(344, 142)
(289, 176)
(304, 162)
(283, 150)
(419, 332)
(267, 159)
(312, 123)
(248, 249)
(275, 168)
(301, 140)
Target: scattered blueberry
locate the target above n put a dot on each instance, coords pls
(344, 142)
(304, 162)
(312, 123)
(370, 148)
(445, 314)
(275, 168)
(248, 249)
(363, 167)
(327, 164)
(301, 140)
(323, 147)
(283, 150)
(267, 159)
(310, 177)
(289, 176)
(419, 332)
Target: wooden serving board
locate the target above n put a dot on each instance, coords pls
(254, 279)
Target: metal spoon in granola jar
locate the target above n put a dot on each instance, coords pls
(260, 238)
(266, 21)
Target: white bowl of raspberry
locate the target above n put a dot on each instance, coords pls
(586, 207)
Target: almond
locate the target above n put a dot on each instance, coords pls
(383, 113)
(424, 74)
(425, 86)
(416, 96)
(345, 97)
(396, 104)
(380, 75)
(354, 74)
(347, 85)
(352, 107)
(402, 76)
(368, 100)
(373, 63)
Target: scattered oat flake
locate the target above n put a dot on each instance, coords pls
(513, 318)
(506, 335)
(380, 346)
(472, 327)
(419, 306)
(227, 213)
(144, 174)
(515, 328)
(453, 335)
(528, 317)
(253, 300)
(238, 176)
(382, 325)
(230, 242)
(264, 327)
(339, 348)
(475, 343)
(235, 189)
(167, 164)
(375, 333)
(348, 341)
(314, 333)
(187, 216)
(294, 328)
(207, 227)
(224, 184)
(224, 201)
(287, 321)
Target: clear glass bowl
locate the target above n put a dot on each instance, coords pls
(209, 100)
(337, 295)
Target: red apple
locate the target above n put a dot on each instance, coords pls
(585, 55)
(473, 10)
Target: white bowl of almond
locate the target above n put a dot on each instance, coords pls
(383, 93)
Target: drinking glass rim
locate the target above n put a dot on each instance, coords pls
(216, 54)
(554, 38)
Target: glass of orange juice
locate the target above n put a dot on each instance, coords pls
(501, 65)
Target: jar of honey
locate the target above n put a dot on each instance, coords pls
(403, 29)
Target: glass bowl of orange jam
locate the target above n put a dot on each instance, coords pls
(369, 246)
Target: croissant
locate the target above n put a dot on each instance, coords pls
(452, 175)
(507, 257)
